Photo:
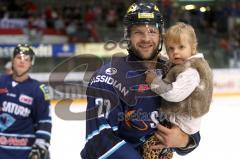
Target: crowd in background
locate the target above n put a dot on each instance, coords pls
(81, 22)
(97, 21)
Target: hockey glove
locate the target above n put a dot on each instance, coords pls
(39, 150)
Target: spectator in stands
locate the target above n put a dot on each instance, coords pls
(8, 68)
(59, 23)
(89, 20)
(112, 18)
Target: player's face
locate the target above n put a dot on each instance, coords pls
(21, 64)
(144, 41)
(179, 52)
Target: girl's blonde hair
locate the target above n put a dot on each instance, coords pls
(174, 33)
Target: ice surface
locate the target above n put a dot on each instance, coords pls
(220, 132)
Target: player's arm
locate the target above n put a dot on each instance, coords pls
(102, 139)
(42, 119)
(177, 139)
(192, 143)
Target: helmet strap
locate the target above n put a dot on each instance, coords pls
(161, 45)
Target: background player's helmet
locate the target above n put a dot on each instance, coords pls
(143, 13)
(26, 50)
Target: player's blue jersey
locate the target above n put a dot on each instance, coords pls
(24, 116)
(119, 110)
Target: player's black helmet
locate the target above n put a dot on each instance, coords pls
(24, 49)
(143, 13)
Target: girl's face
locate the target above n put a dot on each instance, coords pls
(180, 51)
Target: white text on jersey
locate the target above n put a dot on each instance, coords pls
(110, 81)
(15, 109)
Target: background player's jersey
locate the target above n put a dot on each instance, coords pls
(24, 116)
(118, 112)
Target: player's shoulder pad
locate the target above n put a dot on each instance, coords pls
(102, 70)
(45, 91)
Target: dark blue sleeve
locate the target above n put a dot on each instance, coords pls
(42, 117)
(193, 143)
(102, 139)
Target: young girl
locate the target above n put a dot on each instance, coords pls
(187, 87)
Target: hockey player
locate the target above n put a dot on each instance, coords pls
(25, 121)
(120, 104)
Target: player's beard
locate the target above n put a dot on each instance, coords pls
(137, 53)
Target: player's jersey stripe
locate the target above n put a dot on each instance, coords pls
(96, 132)
(43, 132)
(16, 147)
(17, 135)
(112, 150)
(45, 121)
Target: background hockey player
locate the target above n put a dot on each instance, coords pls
(119, 103)
(25, 121)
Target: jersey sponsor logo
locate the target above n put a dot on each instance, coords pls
(45, 91)
(111, 71)
(12, 95)
(26, 99)
(3, 90)
(111, 81)
(6, 121)
(15, 109)
(140, 88)
(143, 88)
(13, 141)
(133, 120)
